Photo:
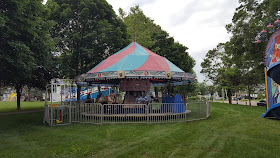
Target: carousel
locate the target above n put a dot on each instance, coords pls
(135, 69)
(131, 73)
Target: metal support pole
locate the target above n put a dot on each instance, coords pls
(60, 94)
(51, 121)
(266, 88)
(70, 103)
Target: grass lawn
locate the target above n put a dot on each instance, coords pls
(230, 131)
(12, 106)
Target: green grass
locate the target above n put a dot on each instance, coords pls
(230, 131)
(12, 106)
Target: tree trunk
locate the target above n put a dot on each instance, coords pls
(223, 95)
(18, 90)
(79, 93)
(28, 93)
(172, 90)
(82, 63)
(229, 96)
(156, 92)
(169, 90)
(161, 90)
(249, 95)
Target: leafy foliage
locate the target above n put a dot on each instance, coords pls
(241, 63)
(219, 67)
(25, 44)
(154, 38)
(86, 32)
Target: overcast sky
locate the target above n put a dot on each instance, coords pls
(197, 24)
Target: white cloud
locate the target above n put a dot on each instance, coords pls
(198, 24)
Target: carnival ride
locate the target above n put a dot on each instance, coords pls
(12, 97)
(272, 68)
(132, 71)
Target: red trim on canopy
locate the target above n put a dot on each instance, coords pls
(111, 60)
(154, 62)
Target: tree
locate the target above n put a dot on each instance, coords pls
(157, 40)
(86, 32)
(25, 45)
(186, 90)
(246, 58)
(137, 23)
(250, 17)
(202, 88)
(154, 38)
(219, 67)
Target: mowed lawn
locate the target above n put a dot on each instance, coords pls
(12, 106)
(230, 131)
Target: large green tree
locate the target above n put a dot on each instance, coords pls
(220, 68)
(86, 32)
(154, 38)
(246, 57)
(157, 40)
(25, 45)
(250, 17)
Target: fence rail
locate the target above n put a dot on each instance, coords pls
(97, 113)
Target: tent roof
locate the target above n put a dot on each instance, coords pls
(136, 61)
(135, 57)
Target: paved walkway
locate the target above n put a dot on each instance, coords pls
(253, 103)
(20, 112)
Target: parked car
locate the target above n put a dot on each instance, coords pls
(241, 97)
(247, 97)
(244, 97)
(261, 103)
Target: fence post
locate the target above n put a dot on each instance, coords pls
(70, 104)
(186, 108)
(147, 112)
(78, 112)
(209, 109)
(206, 109)
(51, 118)
(102, 112)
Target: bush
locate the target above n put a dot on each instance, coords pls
(194, 98)
(203, 99)
(260, 96)
(197, 98)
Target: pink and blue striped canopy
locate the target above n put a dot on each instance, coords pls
(135, 57)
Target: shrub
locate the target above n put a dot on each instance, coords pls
(260, 96)
(194, 98)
